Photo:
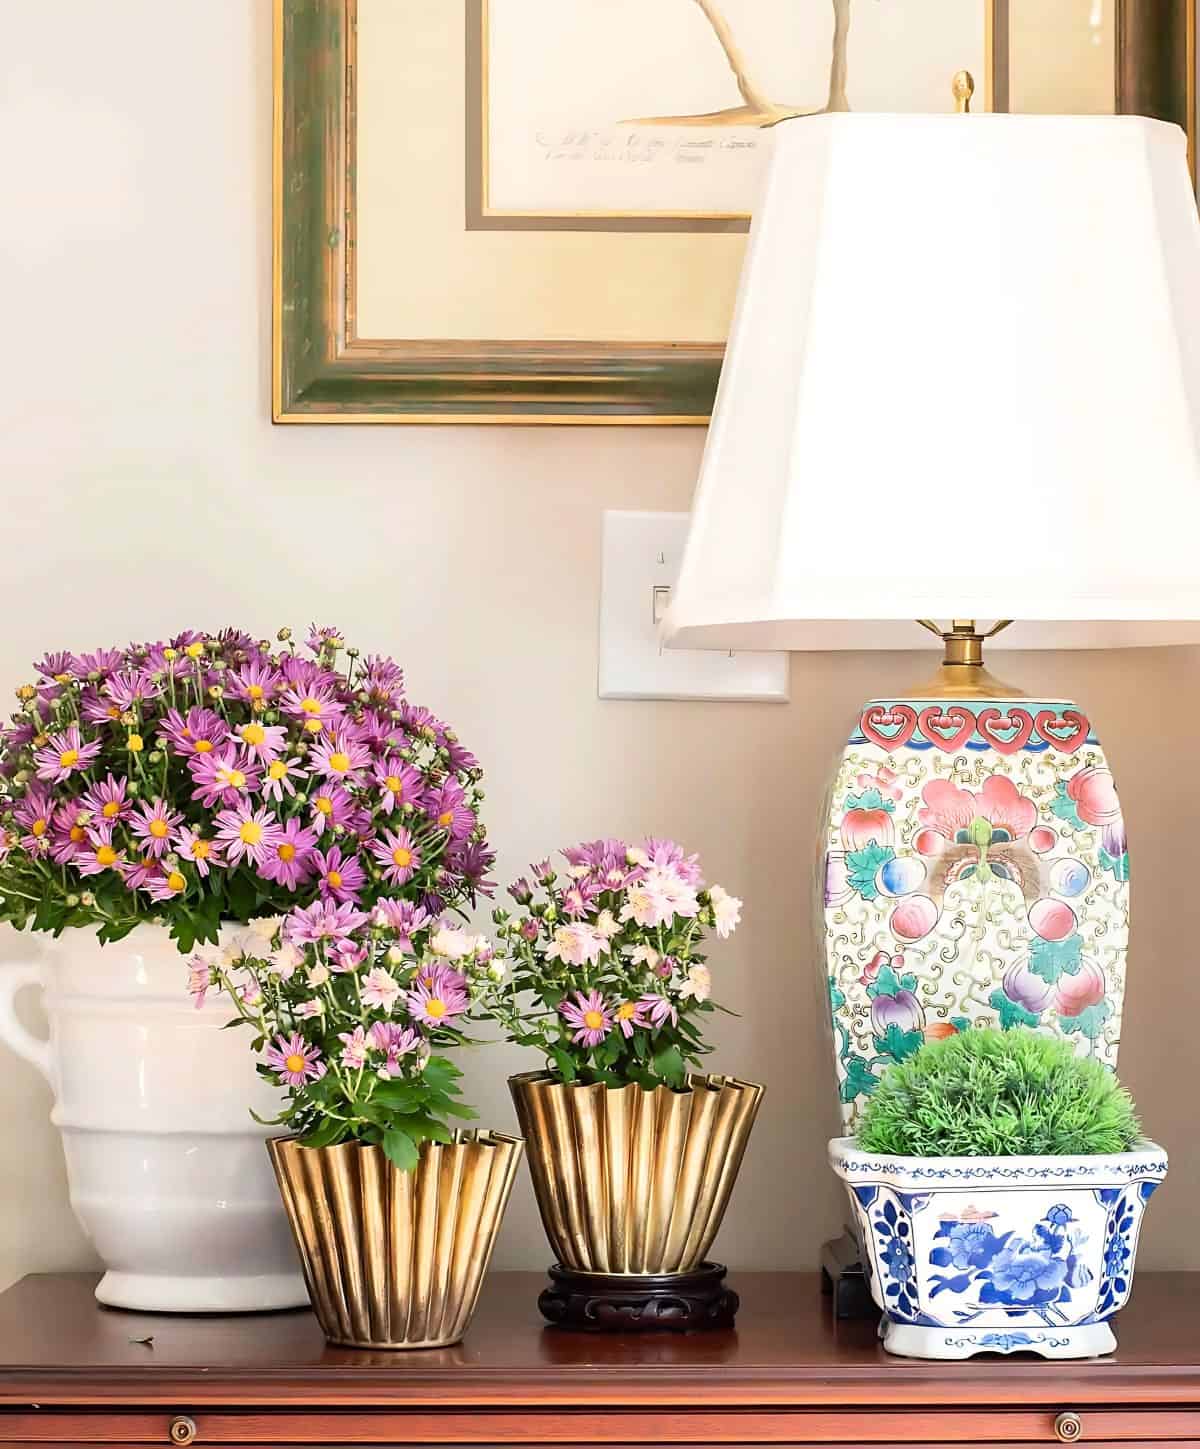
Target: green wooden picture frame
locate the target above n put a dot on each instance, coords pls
(323, 372)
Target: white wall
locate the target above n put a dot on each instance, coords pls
(144, 489)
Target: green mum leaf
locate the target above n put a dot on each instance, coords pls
(863, 865)
(400, 1149)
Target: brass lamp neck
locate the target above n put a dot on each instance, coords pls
(962, 674)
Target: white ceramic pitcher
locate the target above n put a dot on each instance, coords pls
(168, 1173)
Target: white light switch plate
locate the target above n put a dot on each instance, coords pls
(641, 557)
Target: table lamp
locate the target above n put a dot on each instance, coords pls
(962, 388)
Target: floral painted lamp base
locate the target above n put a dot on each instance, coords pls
(976, 874)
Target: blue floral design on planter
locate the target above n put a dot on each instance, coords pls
(897, 1264)
(1031, 1272)
(1119, 1230)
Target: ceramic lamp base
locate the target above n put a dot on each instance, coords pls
(636, 1302)
(1092, 1340)
(976, 874)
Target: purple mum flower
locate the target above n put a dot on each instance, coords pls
(227, 776)
(339, 877)
(200, 732)
(397, 853)
(448, 810)
(323, 921)
(154, 823)
(129, 687)
(398, 783)
(289, 858)
(106, 800)
(296, 1062)
(589, 1015)
(247, 834)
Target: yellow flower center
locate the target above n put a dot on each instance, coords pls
(324, 804)
(76, 833)
(202, 747)
(626, 1010)
(114, 712)
(250, 833)
(393, 784)
(294, 1063)
(201, 849)
(136, 743)
(287, 851)
(402, 857)
(334, 878)
(253, 734)
(176, 881)
(233, 778)
(339, 761)
(593, 1020)
(276, 770)
(158, 828)
(435, 1006)
(170, 654)
(62, 679)
(312, 726)
(255, 691)
(67, 758)
(105, 855)
(194, 650)
(38, 827)
(310, 705)
(110, 808)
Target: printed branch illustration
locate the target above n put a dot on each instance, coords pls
(757, 108)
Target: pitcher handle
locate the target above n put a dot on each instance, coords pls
(12, 1033)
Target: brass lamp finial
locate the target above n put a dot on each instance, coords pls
(963, 87)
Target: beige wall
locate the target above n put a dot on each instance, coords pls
(143, 489)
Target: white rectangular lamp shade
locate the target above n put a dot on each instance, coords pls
(963, 381)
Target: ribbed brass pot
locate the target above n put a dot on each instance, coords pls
(396, 1259)
(629, 1180)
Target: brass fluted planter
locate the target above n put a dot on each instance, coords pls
(632, 1181)
(396, 1259)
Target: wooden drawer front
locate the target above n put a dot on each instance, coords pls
(240, 1429)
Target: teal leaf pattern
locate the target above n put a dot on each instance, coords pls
(1049, 959)
(862, 866)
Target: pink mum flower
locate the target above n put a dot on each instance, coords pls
(331, 805)
(589, 1015)
(166, 884)
(726, 909)
(247, 834)
(289, 858)
(396, 1042)
(203, 853)
(154, 823)
(199, 732)
(68, 832)
(99, 661)
(438, 996)
(576, 945)
(403, 917)
(60, 667)
(354, 1048)
(130, 687)
(339, 757)
(316, 707)
(106, 801)
(199, 979)
(96, 709)
(380, 988)
(257, 683)
(449, 811)
(339, 877)
(658, 898)
(398, 784)
(323, 921)
(100, 853)
(280, 777)
(34, 815)
(226, 776)
(666, 856)
(295, 1061)
(66, 754)
(654, 1011)
(397, 853)
(263, 742)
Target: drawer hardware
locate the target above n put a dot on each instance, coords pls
(182, 1430)
(1068, 1428)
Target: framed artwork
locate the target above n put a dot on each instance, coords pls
(525, 211)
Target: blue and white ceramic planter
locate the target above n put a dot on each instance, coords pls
(974, 1255)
